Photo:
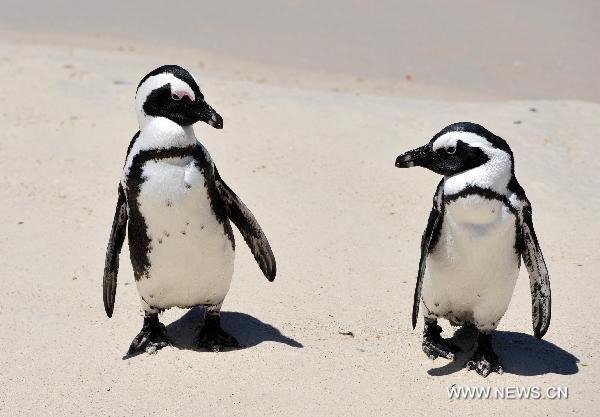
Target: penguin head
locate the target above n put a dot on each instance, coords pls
(172, 92)
(457, 148)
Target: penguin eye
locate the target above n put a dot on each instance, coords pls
(175, 97)
(451, 150)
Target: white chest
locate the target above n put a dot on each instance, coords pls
(172, 194)
(477, 234)
(191, 257)
(474, 266)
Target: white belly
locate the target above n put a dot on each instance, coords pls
(471, 274)
(191, 258)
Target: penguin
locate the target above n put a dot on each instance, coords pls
(478, 230)
(176, 210)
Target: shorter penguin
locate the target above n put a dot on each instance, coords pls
(479, 228)
(177, 210)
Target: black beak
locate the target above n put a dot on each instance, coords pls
(417, 157)
(208, 115)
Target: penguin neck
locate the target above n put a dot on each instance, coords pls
(162, 133)
(494, 175)
(159, 134)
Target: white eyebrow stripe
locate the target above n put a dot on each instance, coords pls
(449, 140)
(157, 81)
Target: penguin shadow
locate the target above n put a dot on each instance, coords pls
(248, 330)
(520, 353)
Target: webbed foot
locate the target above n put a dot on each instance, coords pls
(484, 360)
(213, 337)
(434, 345)
(151, 338)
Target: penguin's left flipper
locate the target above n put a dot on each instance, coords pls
(430, 230)
(539, 280)
(242, 217)
(115, 243)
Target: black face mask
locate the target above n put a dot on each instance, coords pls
(444, 161)
(183, 111)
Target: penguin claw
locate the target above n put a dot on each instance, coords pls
(216, 342)
(150, 339)
(214, 338)
(434, 345)
(484, 367)
(147, 346)
(485, 361)
(434, 349)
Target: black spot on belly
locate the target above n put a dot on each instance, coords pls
(160, 241)
(183, 232)
(436, 304)
(188, 186)
(169, 203)
(167, 234)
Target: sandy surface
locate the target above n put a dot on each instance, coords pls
(316, 166)
(500, 49)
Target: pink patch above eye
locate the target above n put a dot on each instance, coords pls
(181, 94)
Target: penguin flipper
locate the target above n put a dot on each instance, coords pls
(115, 243)
(432, 225)
(539, 280)
(248, 226)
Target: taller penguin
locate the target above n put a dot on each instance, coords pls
(177, 208)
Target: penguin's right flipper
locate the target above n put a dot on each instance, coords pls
(115, 243)
(248, 226)
(539, 279)
(432, 228)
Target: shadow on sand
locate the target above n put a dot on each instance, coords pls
(520, 353)
(248, 330)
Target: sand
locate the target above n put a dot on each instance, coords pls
(312, 155)
(505, 49)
